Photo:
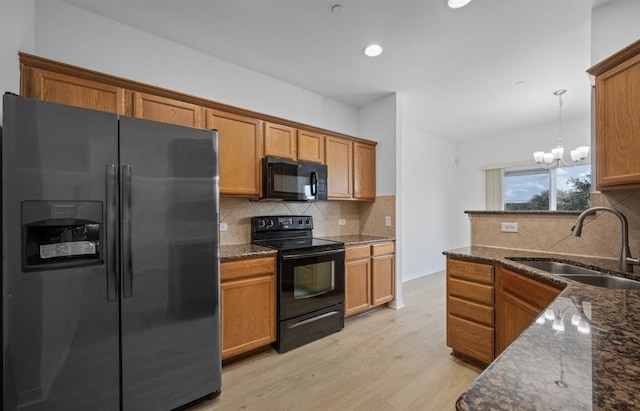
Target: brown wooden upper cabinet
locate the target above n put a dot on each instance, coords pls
(245, 137)
(617, 108)
(279, 141)
(310, 146)
(339, 161)
(240, 147)
(167, 110)
(73, 91)
(364, 171)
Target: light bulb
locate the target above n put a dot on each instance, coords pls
(575, 156)
(583, 152)
(538, 156)
(548, 158)
(557, 153)
(540, 319)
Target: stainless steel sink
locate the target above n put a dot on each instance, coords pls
(606, 281)
(582, 274)
(555, 267)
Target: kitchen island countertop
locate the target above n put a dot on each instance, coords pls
(546, 369)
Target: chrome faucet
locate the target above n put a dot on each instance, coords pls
(625, 261)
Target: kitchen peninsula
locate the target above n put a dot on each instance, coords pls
(553, 365)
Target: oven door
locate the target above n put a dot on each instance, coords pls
(310, 281)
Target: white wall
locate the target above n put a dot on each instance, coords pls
(16, 34)
(378, 122)
(614, 26)
(428, 190)
(71, 35)
(516, 146)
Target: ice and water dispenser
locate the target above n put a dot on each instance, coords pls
(61, 234)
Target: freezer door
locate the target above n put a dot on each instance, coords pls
(170, 318)
(60, 329)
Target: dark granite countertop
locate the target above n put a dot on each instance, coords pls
(235, 251)
(546, 369)
(525, 212)
(356, 239)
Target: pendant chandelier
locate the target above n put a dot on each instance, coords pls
(556, 157)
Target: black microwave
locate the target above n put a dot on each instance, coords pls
(291, 180)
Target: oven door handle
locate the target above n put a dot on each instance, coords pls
(312, 254)
(316, 318)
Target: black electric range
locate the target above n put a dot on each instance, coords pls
(310, 279)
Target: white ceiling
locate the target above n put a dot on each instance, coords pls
(455, 69)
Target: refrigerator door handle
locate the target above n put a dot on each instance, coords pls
(112, 233)
(127, 274)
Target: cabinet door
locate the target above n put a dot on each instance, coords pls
(279, 141)
(338, 157)
(382, 279)
(167, 110)
(357, 286)
(364, 171)
(520, 300)
(240, 148)
(73, 91)
(247, 314)
(514, 316)
(310, 146)
(618, 126)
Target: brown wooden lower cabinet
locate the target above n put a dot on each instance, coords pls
(369, 276)
(520, 300)
(470, 309)
(489, 307)
(247, 305)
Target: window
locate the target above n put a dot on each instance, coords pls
(564, 188)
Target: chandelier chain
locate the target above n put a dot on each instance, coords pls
(560, 142)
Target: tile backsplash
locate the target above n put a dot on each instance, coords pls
(359, 217)
(601, 235)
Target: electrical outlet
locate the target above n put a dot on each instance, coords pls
(387, 221)
(509, 227)
(342, 221)
(223, 227)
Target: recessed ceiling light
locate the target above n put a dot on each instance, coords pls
(456, 4)
(373, 50)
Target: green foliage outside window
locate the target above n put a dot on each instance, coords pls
(578, 198)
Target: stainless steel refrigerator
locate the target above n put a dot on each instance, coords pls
(110, 272)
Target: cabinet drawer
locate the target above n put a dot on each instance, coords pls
(471, 311)
(382, 249)
(232, 270)
(469, 338)
(537, 294)
(468, 270)
(357, 252)
(480, 293)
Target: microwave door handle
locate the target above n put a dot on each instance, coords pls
(314, 183)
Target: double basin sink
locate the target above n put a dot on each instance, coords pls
(582, 274)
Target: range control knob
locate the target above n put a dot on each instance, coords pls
(261, 224)
(299, 221)
(307, 221)
(270, 223)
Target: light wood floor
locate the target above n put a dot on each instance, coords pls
(386, 360)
